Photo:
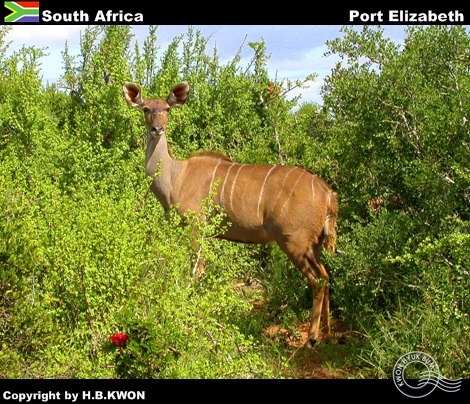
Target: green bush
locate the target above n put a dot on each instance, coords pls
(85, 250)
(397, 128)
(366, 278)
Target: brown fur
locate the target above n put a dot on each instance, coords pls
(210, 153)
(264, 203)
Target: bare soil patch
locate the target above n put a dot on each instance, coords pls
(324, 361)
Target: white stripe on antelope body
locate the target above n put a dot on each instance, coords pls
(264, 203)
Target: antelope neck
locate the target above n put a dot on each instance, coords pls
(159, 161)
(158, 156)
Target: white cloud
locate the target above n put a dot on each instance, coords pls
(298, 67)
(51, 37)
(304, 63)
(293, 58)
(310, 94)
(43, 35)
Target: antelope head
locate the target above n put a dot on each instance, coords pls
(155, 109)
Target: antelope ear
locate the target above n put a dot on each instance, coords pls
(132, 95)
(178, 95)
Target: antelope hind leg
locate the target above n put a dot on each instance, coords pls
(326, 315)
(318, 279)
(320, 313)
(304, 259)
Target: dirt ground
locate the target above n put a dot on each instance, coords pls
(327, 358)
(316, 363)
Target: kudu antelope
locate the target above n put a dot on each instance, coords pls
(263, 203)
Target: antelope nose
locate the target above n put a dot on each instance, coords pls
(157, 130)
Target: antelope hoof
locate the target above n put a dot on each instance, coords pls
(310, 343)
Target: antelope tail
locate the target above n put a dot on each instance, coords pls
(329, 228)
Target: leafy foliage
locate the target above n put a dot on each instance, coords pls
(85, 254)
(401, 140)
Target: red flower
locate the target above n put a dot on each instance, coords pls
(118, 338)
(270, 85)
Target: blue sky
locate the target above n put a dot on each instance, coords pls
(296, 50)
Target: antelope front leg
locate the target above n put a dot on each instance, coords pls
(199, 262)
(198, 269)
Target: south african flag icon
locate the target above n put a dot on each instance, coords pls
(22, 11)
